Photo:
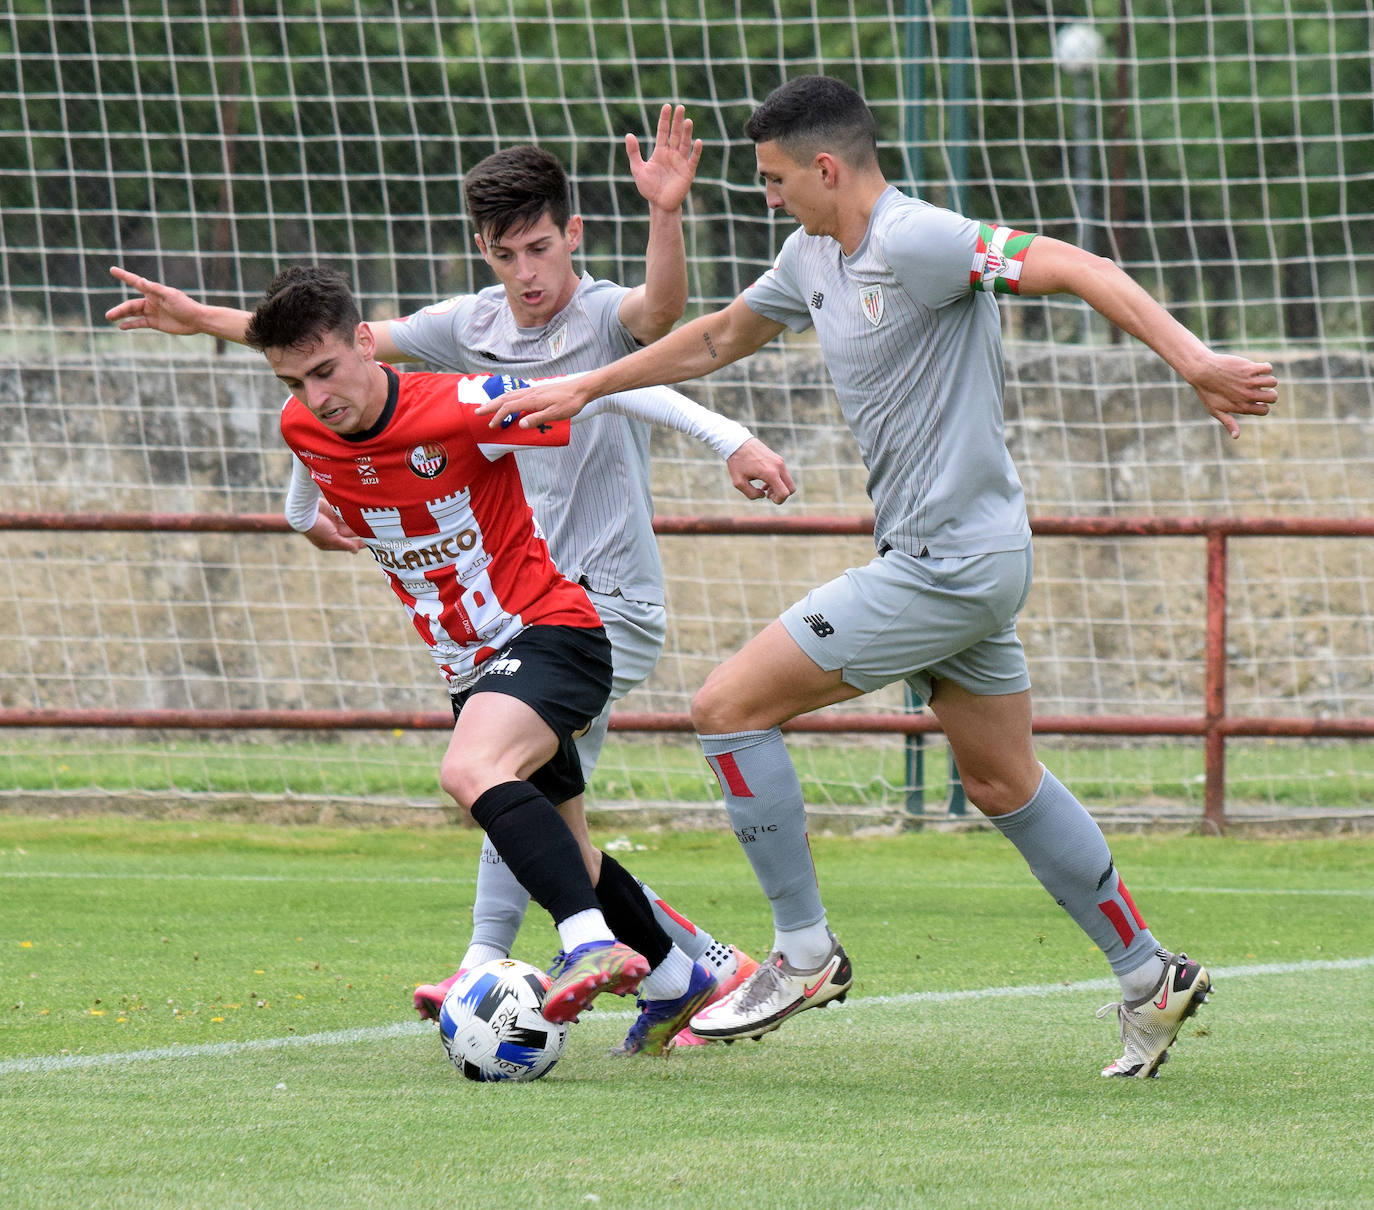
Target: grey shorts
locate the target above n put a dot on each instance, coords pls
(637, 631)
(920, 620)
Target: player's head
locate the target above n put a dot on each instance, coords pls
(813, 114)
(520, 203)
(309, 329)
(815, 142)
(302, 304)
(513, 189)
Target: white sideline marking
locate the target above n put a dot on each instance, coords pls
(345, 880)
(44, 1064)
(338, 1037)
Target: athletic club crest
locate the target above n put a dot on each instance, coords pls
(558, 341)
(871, 303)
(428, 460)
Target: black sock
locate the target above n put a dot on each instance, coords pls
(628, 913)
(532, 838)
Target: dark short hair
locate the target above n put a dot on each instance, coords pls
(303, 304)
(510, 190)
(810, 114)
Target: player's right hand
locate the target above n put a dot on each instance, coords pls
(331, 532)
(159, 307)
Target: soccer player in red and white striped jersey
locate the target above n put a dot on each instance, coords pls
(427, 486)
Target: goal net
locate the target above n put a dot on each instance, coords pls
(1223, 154)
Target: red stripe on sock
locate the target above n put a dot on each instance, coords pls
(678, 916)
(1130, 903)
(1112, 910)
(728, 774)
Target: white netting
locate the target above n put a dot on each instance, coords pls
(1225, 158)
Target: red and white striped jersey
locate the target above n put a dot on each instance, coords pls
(442, 510)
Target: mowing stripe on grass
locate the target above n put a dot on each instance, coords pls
(352, 1037)
(460, 880)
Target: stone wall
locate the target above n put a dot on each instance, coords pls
(160, 620)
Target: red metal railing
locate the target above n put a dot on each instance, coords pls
(1214, 726)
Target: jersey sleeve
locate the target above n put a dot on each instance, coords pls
(302, 507)
(602, 300)
(672, 409)
(940, 256)
(776, 295)
(434, 334)
(477, 389)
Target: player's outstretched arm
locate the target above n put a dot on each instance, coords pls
(1228, 386)
(173, 311)
(693, 351)
(166, 309)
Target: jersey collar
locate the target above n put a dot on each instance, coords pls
(393, 391)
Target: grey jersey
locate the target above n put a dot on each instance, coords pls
(914, 348)
(592, 499)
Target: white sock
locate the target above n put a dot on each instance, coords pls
(669, 979)
(1136, 985)
(720, 960)
(804, 949)
(478, 954)
(581, 927)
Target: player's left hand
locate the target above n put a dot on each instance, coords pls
(1231, 386)
(664, 179)
(754, 464)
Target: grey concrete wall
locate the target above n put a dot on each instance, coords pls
(266, 621)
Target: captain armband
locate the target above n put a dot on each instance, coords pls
(998, 259)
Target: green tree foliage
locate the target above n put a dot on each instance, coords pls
(211, 141)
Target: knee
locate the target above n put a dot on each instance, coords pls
(459, 781)
(998, 794)
(710, 710)
(989, 796)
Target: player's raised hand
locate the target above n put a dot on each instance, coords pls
(540, 404)
(1231, 386)
(664, 179)
(331, 532)
(753, 464)
(159, 307)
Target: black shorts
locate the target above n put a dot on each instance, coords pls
(563, 674)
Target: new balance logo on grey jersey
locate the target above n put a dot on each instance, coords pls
(819, 626)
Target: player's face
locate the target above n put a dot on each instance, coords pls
(336, 378)
(794, 188)
(535, 266)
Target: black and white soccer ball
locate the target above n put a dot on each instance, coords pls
(492, 1027)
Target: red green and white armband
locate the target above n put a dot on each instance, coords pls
(998, 258)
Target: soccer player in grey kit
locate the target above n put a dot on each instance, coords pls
(902, 297)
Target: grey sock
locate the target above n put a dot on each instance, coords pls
(1067, 852)
(764, 800)
(688, 936)
(499, 904)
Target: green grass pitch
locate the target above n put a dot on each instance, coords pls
(206, 1014)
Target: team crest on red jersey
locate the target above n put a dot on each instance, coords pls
(428, 460)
